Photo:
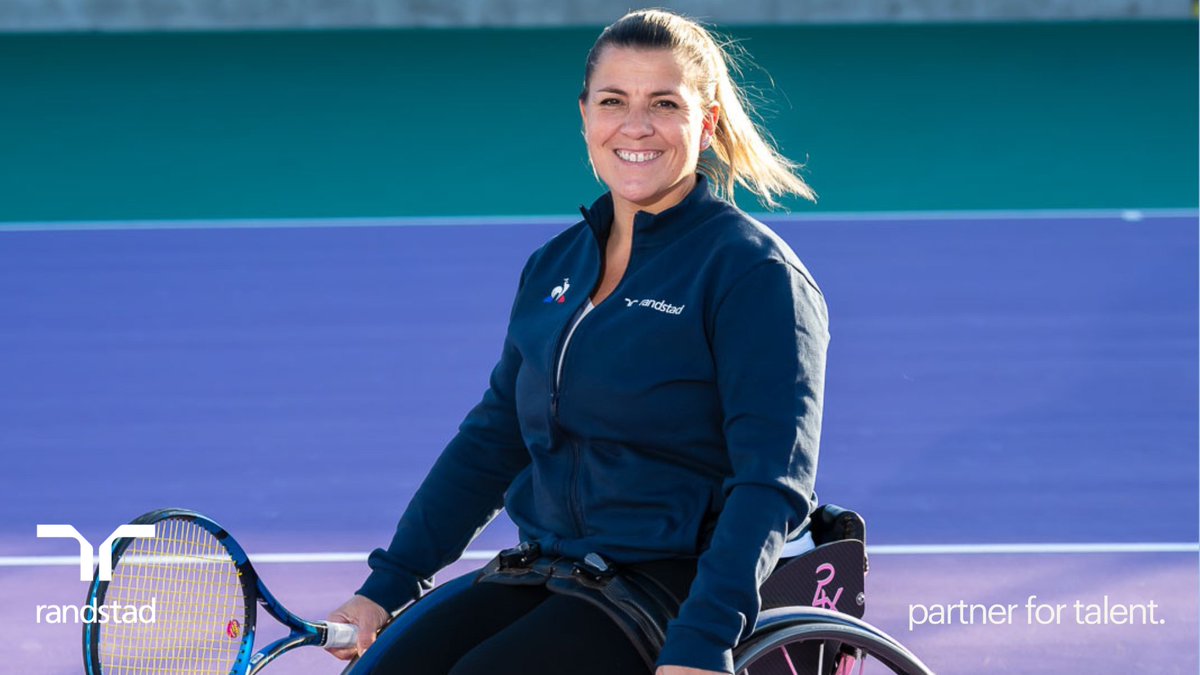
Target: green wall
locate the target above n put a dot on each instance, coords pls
(401, 123)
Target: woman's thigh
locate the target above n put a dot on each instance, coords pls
(433, 634)
(561, 635)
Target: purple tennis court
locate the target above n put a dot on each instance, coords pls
(1011, 404)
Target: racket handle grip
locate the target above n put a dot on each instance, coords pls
(340, 635)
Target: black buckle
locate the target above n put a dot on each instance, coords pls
(594, 566)
(520, 555)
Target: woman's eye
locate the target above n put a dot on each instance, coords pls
(666, 104)
(609, 101)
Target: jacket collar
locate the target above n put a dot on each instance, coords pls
(654, 229)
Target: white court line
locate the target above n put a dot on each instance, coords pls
(262, 558)
(282, 223)
(969, 549)
(881, 549)
(1131, 215)
(1128, 215)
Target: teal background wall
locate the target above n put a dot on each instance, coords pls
(464, 122)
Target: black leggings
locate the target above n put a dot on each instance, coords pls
(464, 628)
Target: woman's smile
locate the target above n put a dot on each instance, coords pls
(638, 157)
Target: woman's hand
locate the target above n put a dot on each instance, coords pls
(364, 613)
(683, 670)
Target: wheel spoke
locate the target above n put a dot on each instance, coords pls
(787, 657)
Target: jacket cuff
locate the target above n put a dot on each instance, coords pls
(693, 649)
(386, 590)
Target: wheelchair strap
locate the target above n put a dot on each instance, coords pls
(638, 604)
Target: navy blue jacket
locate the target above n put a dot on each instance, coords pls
(685, 423)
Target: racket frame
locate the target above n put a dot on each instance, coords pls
(303, 632)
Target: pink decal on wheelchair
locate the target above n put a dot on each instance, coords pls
(821, 598)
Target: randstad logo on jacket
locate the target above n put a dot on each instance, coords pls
(664, 307)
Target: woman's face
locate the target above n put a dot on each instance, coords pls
(644, 126)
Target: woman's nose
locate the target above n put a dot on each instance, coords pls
(637, 124)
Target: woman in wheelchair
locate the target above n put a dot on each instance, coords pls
(652, 424)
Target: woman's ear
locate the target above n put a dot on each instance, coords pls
(709, 124)
(583, 132)
(711, 118)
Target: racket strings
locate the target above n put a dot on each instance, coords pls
(199, 608)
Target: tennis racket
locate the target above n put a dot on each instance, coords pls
(203, 591)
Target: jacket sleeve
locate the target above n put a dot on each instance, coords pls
(462, 493)
(770, 334)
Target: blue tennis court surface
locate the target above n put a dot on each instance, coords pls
(991, 381)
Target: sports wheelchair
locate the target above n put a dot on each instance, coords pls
(810, 622)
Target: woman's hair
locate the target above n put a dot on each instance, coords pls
(742, 153)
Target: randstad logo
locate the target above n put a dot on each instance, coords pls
(85, 547)
(559, 294)
(92, 613)
(659, 305)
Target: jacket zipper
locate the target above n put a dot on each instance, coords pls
(562, 344)
(573, 497)
(556, 374)
(556, 377)
(560, 355)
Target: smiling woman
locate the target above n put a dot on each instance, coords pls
(688, 73)
(656, 449)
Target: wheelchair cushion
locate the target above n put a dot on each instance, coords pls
(798, 546)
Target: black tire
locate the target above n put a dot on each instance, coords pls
(812, 649)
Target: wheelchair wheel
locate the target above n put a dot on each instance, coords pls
(821, 648)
